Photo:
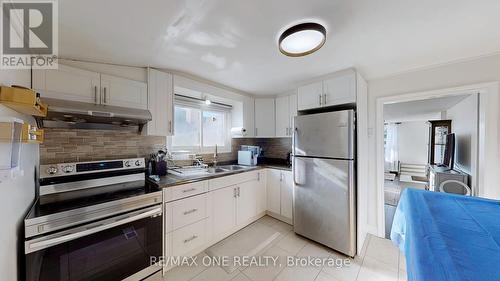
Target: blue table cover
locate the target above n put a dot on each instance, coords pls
(448, 237)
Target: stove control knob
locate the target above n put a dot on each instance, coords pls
(68, 169)
(138, 163)
(52, 170)
(127, 164)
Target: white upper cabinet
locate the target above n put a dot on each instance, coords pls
(310, 96)
(160, 103)
(282, 116)
(339, 89)
(293, 106)
(264, 118)
(68, 83)
(123, 92)
(286, 109)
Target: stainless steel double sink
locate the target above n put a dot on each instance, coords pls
(193, 171)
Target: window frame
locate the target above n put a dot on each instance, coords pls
(201, 149)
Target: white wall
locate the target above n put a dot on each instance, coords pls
(464, 116)
(480, 70)
(17, 195)
(413, 138)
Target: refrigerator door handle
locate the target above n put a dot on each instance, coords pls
(293, 171)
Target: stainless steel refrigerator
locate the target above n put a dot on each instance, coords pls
(324, 179)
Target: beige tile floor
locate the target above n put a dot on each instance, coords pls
(380, 261)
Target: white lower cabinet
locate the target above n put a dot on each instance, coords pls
(286, 194)
(223, 202)
(198, 215)
(236, 201)
(184, 212)
(261, 191)
(246, 202)
(274, 191)
(187, 240)
(280, 194)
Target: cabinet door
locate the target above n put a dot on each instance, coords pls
(261, 192)
(264, 118)
(160, 103)
(223, 210)
(309, 96)
(123, 92)
(340, 90)
(246, 203)
(273, 191)
(282, 116)
(286, 194)
(67, 83)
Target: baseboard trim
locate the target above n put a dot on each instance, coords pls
(280, 217)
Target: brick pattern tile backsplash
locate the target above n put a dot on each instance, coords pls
(75, 145)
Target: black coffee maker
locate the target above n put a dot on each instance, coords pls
(158, 163)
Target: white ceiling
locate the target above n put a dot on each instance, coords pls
(420, 110)
(234, 42)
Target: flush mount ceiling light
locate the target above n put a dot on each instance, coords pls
(302, 39)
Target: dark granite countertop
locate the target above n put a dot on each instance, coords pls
(173, 180)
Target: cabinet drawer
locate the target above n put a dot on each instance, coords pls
(186, 211)
(187, 239)
(185, 190)
(232, 180)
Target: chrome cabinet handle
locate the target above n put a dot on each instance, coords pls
(320, 102)
(105, 96)
(286, 132)
(170, 126)
(258, 176)
(95, 94)
(190, 239)
(188, 190)
(324, 99)
(234, 192)
(238, 191)
(281, 176)
(190, 211)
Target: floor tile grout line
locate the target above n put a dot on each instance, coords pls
(198, 273)
(363, 257)
(283, 267)
(243, 272)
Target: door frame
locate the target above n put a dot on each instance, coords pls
(487, 117)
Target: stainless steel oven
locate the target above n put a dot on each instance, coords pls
(94, 231)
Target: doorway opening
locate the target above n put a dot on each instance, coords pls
(422, 137)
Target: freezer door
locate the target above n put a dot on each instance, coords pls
(324, 202)
(329, 135)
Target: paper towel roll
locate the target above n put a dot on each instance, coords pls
(238, 132)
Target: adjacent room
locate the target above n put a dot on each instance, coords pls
(284, 140)
(427, 142)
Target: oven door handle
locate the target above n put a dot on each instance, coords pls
(39, 245)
